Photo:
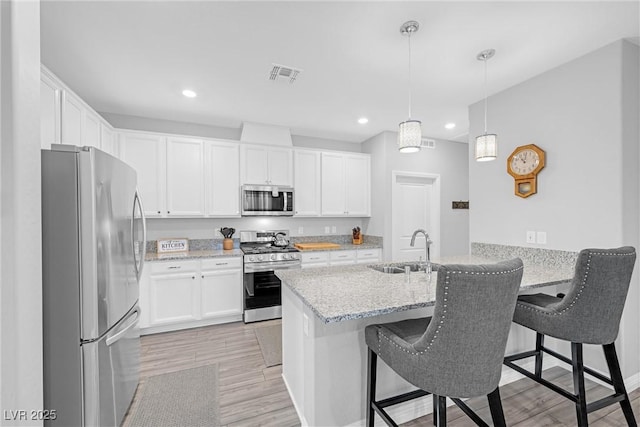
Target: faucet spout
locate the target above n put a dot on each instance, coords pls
(427, 243)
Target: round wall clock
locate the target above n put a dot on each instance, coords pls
(523, 165)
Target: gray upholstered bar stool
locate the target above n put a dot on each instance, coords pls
(588, 314)
(457, 352)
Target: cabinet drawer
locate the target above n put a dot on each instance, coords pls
(368, 255)
(343, 255)
(315, 257)
(221, 263)
(173, 266)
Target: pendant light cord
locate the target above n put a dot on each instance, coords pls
(486, 95)
(410, 100)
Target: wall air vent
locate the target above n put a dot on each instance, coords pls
(427, 143)
(284, 73)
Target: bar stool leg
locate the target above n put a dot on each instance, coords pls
(578, 384)
(372, 361)
(435, 409)
(618, 382)
(495, 406)
(441, 409)
(539, 344)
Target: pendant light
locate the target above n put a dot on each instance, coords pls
(410, 132)
(487, 143)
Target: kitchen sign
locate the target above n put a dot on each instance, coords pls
(173, 245)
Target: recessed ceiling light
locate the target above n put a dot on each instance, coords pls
(189, 93)
(363, 120)
(450, 125)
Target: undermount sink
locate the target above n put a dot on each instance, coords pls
(396, 268)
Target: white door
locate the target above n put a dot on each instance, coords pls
(333, 185)
(221, 293)
(91, 130)
(222, 182)
(307, 182)
(357, 179)
(146, 153)
(280, 166)
(253, 165)
(185, 177)
(174, 298)
(108, 140)
(415, 205)
(72, 111)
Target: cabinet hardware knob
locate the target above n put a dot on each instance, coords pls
(159, 212)
(168, 212)
(193, 277)
(203, 276)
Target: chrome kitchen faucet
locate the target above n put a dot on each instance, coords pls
(426, 246)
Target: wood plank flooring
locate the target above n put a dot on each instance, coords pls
(250, 394)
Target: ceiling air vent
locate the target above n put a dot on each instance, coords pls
(428, 143)
(284, 73)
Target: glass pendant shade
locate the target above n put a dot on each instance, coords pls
(410, 136)
(486, 147)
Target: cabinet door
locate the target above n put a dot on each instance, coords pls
(221, 293)
(49, 113)
(333, 185)
(185, 177)
(91, 135)
(280, 163)
(173, 298)
(222, 182)
(72, 112)
(146, 153)
(253, 165)
(307, 182)
(108, 140)
(357, 185)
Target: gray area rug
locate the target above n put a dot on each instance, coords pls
(178, 399)
(270, 340)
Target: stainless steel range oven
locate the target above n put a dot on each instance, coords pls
(265, 252)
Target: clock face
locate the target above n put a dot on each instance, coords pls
(524, 162)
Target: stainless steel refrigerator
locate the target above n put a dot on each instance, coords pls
(93, 246)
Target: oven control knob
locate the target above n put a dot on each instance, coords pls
(294, 256)
(259, 257)
(273, 257)
(285, 256)
(251, 258)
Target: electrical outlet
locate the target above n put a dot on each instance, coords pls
(541, 237)
(300, 230)
(333, 229)
(327, 230)
(531, 236)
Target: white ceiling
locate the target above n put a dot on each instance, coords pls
(135, 58)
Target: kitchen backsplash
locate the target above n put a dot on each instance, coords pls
(210, 244)
(549, 257)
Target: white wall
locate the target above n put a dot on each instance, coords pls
(448, 159)
(20, 251)
(584, 114)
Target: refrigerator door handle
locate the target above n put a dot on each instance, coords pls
(138, 265)
(132, 322)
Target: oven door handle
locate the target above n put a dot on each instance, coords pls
(249, 292)
(252, 268)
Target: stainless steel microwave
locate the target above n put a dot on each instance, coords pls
(266, 200)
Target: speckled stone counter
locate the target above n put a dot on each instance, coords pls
(197, 254)
(342, 293)
(346, 247)
(370, 242)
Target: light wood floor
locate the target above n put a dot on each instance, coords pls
(251, 394)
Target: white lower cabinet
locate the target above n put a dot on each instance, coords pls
(184, 294)
(220, 293)
(333, 258)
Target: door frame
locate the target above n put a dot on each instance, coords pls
(435, 207)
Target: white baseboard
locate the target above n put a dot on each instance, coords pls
(633, 382)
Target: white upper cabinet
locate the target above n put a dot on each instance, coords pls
(222, 178)
(50, 94)
(263, 165)
(108, 140)
(92, 131)
(346, 184)
(306, 165)
(185, 177)
(146, 153)
(72, 119)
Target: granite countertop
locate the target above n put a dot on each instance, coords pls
(342, 293)
(190, 255)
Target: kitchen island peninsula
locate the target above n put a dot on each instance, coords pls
(324, 314)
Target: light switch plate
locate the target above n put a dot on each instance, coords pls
(541, 237)
(531, 236)
(334, 230)
(327, 230)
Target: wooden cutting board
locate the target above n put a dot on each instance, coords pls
(318, 245)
